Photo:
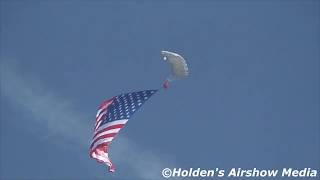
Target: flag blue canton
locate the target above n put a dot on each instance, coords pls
(124, 105)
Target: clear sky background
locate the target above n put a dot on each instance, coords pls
(251, 100)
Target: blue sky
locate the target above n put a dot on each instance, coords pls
(251, 100)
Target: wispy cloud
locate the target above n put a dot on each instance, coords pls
(58, 115)
(46, 107)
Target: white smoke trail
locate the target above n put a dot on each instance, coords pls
(58, 115)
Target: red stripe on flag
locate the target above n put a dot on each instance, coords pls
(102, 137)
(106, 103)
(108, 128)
(101, 114)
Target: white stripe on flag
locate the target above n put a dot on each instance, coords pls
(105, 133)
(100, 115)
(101, 141)
(97, 125)
(98, 112)
(122, 121)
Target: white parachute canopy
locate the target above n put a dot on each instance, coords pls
(179, 67)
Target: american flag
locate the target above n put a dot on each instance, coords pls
(111, 117)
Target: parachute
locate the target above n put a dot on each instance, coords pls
(179, 67)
